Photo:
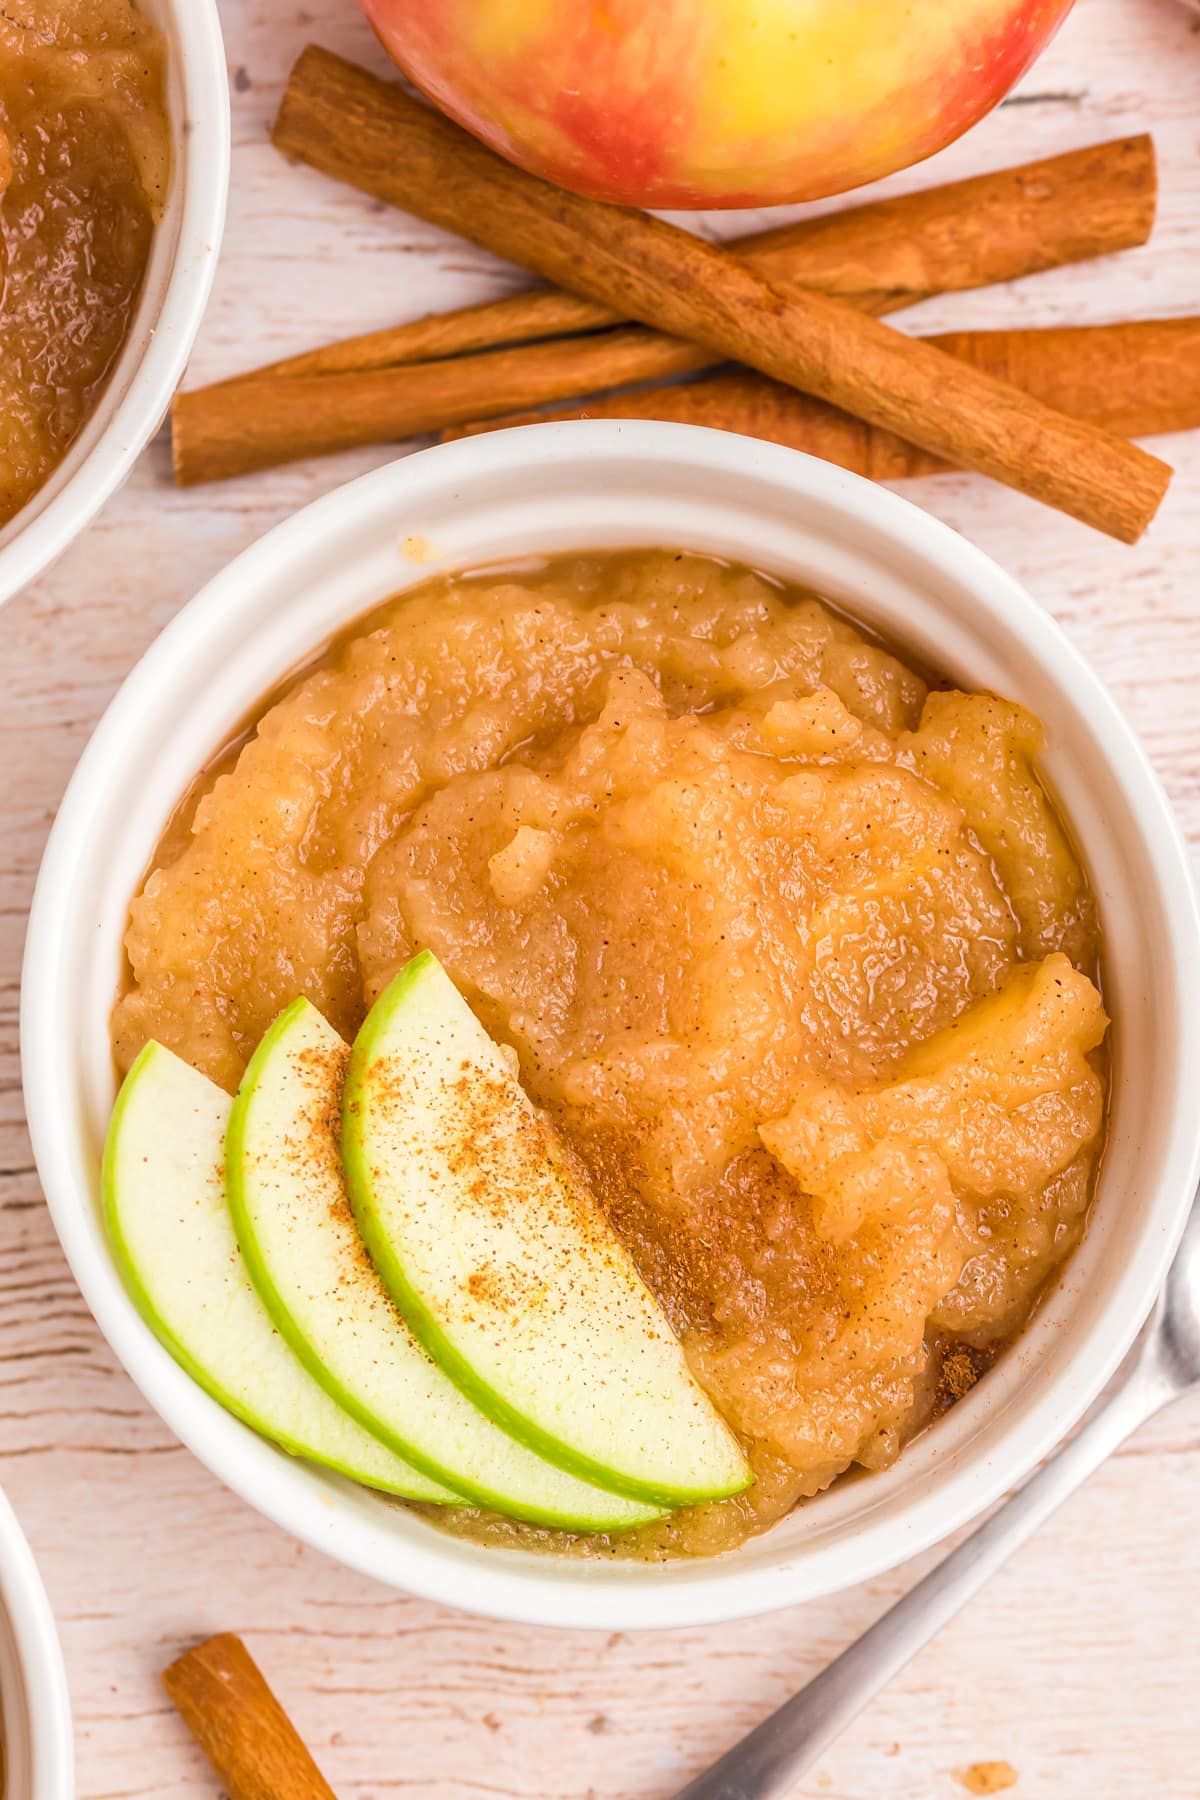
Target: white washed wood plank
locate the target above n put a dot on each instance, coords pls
(1081, 1663)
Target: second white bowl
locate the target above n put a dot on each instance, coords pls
(179, 277)
(37, 1752)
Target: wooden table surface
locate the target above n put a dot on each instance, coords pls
(1080, 1664)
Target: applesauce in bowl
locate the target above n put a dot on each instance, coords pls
(786, 933)
(595, 487)
(108, 387)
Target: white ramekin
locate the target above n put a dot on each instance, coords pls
(557, 487)
(179, 278)
(38, 1756)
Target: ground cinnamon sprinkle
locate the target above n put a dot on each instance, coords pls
(488, 1287)
(507, 1161)
(324, 1069)
(489, 1136)
(962, 1366)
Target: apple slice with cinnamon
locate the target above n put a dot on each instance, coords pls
(487, 1235)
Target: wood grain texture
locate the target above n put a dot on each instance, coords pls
(1080, 1664)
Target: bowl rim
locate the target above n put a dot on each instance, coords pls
(202, 142)
(44, 1699)
(444, 1569)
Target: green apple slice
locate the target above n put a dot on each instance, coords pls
(170, 1230)
(496, 1251)
(288, 1200)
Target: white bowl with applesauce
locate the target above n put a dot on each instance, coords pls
(175, 290)
(536, 491)
(38, 1759)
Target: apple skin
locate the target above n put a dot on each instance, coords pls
(706, 103)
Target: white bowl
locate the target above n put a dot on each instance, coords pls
(38, 1756)
(557, 487)
(179, 277)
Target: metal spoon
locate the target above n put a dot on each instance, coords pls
(1163, 1364)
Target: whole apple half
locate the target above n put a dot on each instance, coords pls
(701, 103)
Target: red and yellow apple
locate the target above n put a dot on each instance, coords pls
(695, 103)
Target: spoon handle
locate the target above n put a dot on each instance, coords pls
(770, 1759)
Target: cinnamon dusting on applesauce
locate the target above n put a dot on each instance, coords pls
(961, 1366)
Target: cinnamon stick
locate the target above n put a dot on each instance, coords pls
(240, 1725)
(1138, 379)
(373, 135)
(879, 257)
(517, 319)
(262, 420)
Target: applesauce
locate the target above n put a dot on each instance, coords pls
(84, 167)
(788, 938)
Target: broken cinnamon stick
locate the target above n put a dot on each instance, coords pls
(1138, 379)
(372, 134)
(880, 257)
(240, 1725)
